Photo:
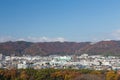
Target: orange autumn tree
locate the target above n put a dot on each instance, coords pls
(23, 75)
(110, 75)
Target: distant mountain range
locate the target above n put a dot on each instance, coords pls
(60, 48)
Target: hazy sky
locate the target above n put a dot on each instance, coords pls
(59, 20)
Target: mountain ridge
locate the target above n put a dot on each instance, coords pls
(60, 48)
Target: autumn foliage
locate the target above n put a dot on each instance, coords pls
(57, 74)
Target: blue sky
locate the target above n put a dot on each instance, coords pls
(59, 20)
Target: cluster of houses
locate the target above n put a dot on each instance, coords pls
(85, 61)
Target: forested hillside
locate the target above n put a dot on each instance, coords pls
(60, 48)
